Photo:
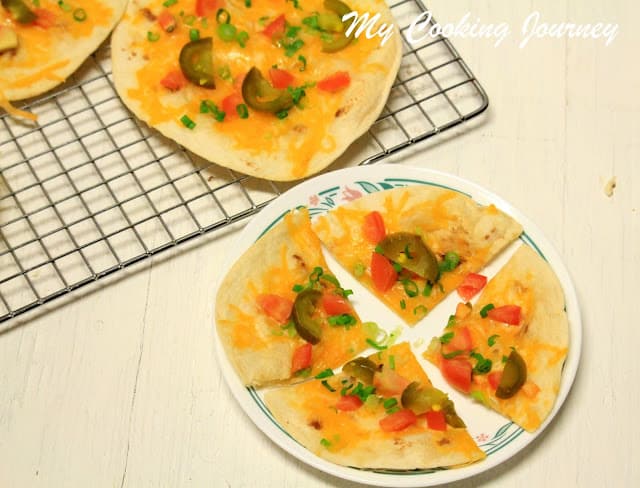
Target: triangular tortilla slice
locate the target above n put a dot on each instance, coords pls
(541, 338)
(308, 412)
(261, 348)
(447, 222)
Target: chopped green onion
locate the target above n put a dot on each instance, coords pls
(292, 31)
(427, 289)
(410, 288)
(420, 310)
(168, 3)
(452, 321)
(446, 338)
(344, 319)
(492, 340)
(207, 106)
(392, 361)
(452, 355)
(450, 261)
(375, 345)
(282, 114)
(298, 288)
(389, 403)
(187, 122)
(359, 269)
(247, 3)
(504, 359)
(194, 34)
(363, 392)
(479, 397)
(79, 15)
(324, 374)
(483, 365)
(243, 111)
(331, 279)
(263, 20)
(223, 16)
(290, 328)
(315, 274)
(303, 373)
(152, 36)
(291, 49)
(296, 4)
(325, 442)
(227, 32)
(303, 62)
(64, 6)
(403, 304)
(327, 386)
(189, 19)
(36, 3)
(298, 92)
(485, 310)
(379, 249)
(242, 38)
(397, 267)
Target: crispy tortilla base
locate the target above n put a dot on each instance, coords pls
(542, 339)
(447, 221)
(355, 438)
(35, 69)
(361, 103)
(256, 346)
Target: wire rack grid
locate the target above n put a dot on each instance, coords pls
(90, 190)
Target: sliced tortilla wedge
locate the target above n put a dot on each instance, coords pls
(280, 145)
(527, 293)
(445, 220)
(261, 347)
(53, 46)
(314, 415)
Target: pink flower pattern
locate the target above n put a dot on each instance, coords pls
(482, 437)
(314, 200)
(348, 194)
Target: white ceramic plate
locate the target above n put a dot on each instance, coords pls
(497, 437)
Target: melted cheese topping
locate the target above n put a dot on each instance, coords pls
(304, 132)
(251, 329)
(34, 52)
(343, 234)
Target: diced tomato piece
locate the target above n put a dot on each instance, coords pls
(382, 272)
(389, 383)
(44, 18)
(373, 227)
(276, 307)
(494, 379)
(301, 357)
(436, 420)
(174, 80)
(509, 314)
(457, 371)
(348, 403)
(167, 21)
(471, 285)
(229, 104)
(276, 27)
(399, 420)
(280, 78)
(335, 82)
(335, 304)
(206, 7)
(461, 341)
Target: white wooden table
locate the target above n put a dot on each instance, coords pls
(119, 385)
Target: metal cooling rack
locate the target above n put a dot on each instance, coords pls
(90, 190)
